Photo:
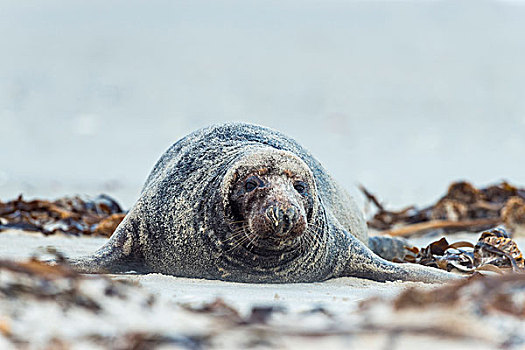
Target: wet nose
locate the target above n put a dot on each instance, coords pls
(281, 219)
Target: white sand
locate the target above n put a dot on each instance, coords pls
(340, 294)
(48, 323)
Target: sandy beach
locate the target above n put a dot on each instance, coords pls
(338, 294)
(150, 311)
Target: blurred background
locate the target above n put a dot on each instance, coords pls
(403, 97)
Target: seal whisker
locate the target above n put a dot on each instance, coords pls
(240, 232)
(233, 237)
(230, 223)
(237, 230)
(241, 241)
(251, 239)
(236, 227)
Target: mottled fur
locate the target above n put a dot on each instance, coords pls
(182, 223)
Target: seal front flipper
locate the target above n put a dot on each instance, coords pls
(119, 255)
(362, 262)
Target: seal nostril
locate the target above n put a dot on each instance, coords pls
(281, 220)
(290, 214)
(289, 217)
(279, 214)
(274, 215)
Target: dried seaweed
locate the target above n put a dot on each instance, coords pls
(38, 269)
(150, 340)
(261, 314)
(72, 215)
(37, 284)
(219, 308)
(467, 304)
(462, 208)
(489, 293)
(488, 310)
(494, 250)
(495, 247)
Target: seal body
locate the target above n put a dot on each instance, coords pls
(245, 203)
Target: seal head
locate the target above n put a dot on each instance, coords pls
(269, 200)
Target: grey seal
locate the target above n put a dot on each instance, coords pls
(245, 203)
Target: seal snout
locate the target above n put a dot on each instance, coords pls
(281, 220)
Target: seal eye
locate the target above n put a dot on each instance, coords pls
(251, 184)
(300, 187)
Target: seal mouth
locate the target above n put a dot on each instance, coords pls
(263, 244)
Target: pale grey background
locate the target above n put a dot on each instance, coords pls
(402, 97)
